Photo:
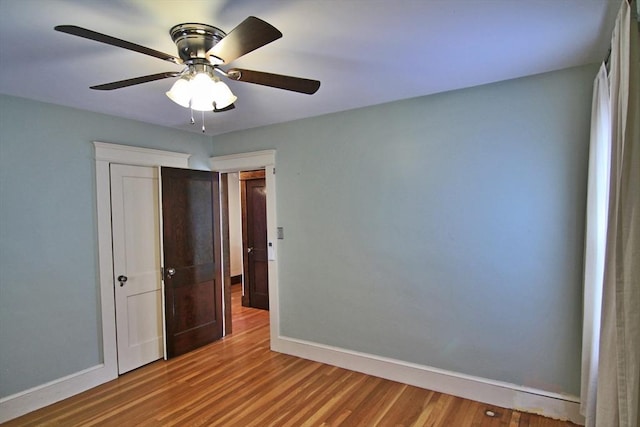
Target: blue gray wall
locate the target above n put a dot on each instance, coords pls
(49, 308)
(445, 230)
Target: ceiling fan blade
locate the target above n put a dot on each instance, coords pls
(249, 35)
(103, 38)
(279, 81)
(135, 81)
(227, 108)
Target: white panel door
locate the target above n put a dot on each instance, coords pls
(136, 265)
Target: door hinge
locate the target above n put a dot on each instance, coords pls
(274, 171)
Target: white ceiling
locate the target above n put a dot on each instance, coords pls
(365, 52)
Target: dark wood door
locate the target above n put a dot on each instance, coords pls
(254, 233)
(192, 261)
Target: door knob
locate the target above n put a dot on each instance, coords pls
(249, 250)
(170, 272)
(122, 279)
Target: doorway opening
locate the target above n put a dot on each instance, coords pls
(248, 246)
(105, 155)
(246, 162)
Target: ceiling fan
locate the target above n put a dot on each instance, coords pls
(202, 49)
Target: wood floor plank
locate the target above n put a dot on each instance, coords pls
(238, 381)
(408, 408)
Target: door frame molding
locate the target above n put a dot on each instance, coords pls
(265, 159)
(54, 391)
(105, 154)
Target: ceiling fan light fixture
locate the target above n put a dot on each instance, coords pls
(202, 48)
(203, 92)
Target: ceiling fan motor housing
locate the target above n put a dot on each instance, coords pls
(195, 40)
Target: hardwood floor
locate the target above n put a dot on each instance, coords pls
(238, 381)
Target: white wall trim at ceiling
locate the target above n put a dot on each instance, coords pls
(40, 396)
(497, 393)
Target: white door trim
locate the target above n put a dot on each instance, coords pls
(105, 155)
(265, 159)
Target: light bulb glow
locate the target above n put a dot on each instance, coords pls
(201, 93)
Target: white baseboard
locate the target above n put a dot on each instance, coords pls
(483, 390)
(46, 394)
(502, 394)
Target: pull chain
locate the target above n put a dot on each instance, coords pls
(193, 121)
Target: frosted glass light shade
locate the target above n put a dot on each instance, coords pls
(180, 92)
(223, 95)
(201, 93)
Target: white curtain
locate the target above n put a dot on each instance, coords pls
(595, 240)
(616, 400)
